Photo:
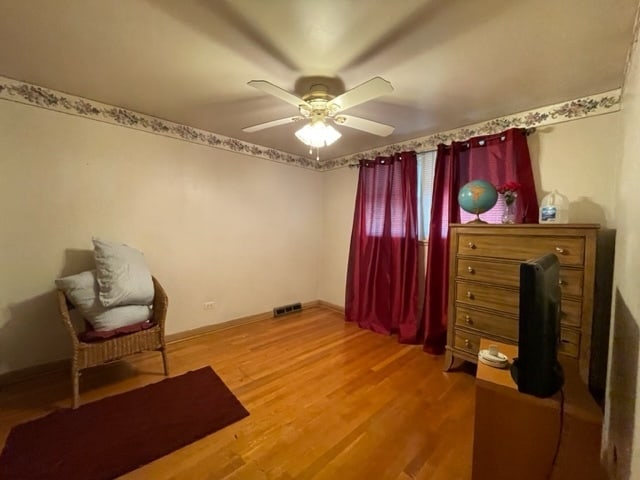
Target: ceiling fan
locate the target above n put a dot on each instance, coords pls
(319, 106)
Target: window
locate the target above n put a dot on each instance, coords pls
(382, 190)
(426, 171)
(384, 203)
(378, 210)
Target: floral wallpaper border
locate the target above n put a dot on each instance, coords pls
(34, 95)
(22, 92)
(599, 104)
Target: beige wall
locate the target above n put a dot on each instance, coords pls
(622, 415)
(339, 193)
(214, 225)
(580, 160)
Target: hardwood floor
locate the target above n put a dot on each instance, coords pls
(327, 400)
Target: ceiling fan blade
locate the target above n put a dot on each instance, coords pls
(276, 91)
(369, 90)
(272, 123)
(365, 125)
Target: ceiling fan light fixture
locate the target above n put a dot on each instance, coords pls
(318, 134)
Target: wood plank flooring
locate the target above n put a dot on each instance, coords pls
(327, 399)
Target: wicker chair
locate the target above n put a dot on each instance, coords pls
(91, 354)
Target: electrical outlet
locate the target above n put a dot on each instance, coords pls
(209, 305)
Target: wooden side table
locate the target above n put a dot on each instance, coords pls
(515, 434)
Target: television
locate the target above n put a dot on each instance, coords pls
(536, 371)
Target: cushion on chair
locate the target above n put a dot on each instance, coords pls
(123, 275)
(82, 291)
(91, 335)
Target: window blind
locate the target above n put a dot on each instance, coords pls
(426, 171)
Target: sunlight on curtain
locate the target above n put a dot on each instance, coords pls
(383, 217)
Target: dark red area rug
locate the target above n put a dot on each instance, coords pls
(107, 438)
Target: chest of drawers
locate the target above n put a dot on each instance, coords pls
(484, 278)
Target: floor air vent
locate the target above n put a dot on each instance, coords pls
(285, 309)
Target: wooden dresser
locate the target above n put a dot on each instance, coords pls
(484, 285)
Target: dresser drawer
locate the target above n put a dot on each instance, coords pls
(569, 342)
(570, 313)
(467, 342)
(487, 296)
(508, 301)
(570, 250)
(487, 271)
(571, 282)
(487, 323)
(470, 342)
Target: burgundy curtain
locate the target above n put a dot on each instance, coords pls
(501, 158)
(444, 210)
(382, 274)
(496, 158)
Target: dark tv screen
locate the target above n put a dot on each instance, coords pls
(536, 371)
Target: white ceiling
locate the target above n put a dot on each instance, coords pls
(451, 62)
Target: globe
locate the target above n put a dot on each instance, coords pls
(477, 197)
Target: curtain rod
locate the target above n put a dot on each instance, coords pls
(527, 131)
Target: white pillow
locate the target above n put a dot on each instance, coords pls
(82, 291)
(123, 275)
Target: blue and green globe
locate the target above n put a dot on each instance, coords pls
(477, 196)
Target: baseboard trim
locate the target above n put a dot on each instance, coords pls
(311, 304)
(197, 332)
(29, 373)
(330, 306)
(17, 376)
(206, 330)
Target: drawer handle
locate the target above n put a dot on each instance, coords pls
(468, 319)
(560, 250)
(472, 245)
(467, 343)
(561, 282)
(470, 269)
(469, 294)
